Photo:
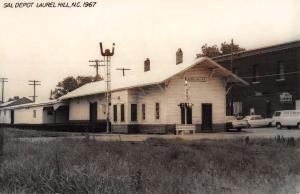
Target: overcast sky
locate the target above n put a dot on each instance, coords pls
(52, 43)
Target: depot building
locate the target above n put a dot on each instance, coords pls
(191, 92)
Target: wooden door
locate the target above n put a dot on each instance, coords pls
(93, 112)
(207, 116)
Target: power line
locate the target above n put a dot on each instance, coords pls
(123, 69)
(3, 80)
(96, 65)
(34, 83)
(231, 57)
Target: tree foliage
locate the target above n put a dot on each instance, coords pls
(210, 51)
(226, 48)
(13, 98)
(214, 51)
(69, 84)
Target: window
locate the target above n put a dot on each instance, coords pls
(115, 113)
(277, 114)
(252, 111)
(280, 71)
(133, 112)
(255, 74)
(143, 111)
(235, 70)
(122, 113)
(34, 113)
(157, 110)
(237, 108)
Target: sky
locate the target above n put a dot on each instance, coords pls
(49, 44)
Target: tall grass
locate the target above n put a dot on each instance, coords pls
(154, 166)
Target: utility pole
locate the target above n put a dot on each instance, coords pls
(107, 59)
(34, 83)
(187, 104)
(3, 80)
(123, 69)
(231, 58)
(96, 65)
(231, 69)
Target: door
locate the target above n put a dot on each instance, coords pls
(207, 116)
(189, 114)
(134, 112)
(93, 112)
(12, 117)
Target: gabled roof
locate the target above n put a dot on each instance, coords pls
(34, 104)
(152, 77)
(23, 100)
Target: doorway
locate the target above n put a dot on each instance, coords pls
(207, 116)
(12, 117)
(93, 112)
(189, 114)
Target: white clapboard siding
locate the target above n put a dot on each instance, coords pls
(149, 96)
(211, 91)
(25, 116)
(79, 108)
(168, 94)
(5, 116)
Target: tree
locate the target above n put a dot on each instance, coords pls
(81, 80)
(213, 51)
(14, 98)
(226, 48)
(209, 51)
(69, 84)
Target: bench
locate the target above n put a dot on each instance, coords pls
(184, 128)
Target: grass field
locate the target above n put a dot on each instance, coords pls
(153, 166)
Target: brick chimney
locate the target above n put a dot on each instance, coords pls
(179, 56)
(147, 65)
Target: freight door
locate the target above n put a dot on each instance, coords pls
(207, 116)
(93, 112)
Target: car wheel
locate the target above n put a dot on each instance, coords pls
(270, 124)
(298, 125)
(278, 125)
(238, 129)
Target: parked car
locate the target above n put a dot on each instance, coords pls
(233, 122)
(258, 121)
(286, 118)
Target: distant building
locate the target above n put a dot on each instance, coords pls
(274, 76)
(37, 113)
(5, 113)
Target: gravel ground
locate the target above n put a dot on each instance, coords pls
(251, 133)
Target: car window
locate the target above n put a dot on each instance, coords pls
(277, 114)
